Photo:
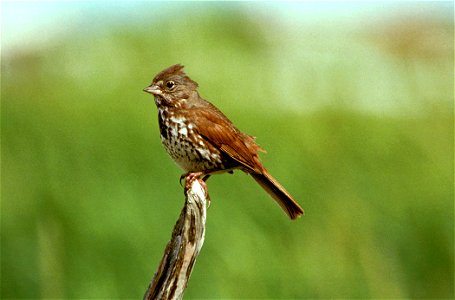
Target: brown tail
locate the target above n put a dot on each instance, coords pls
(281, 196)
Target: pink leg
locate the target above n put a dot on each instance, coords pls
(190, 177)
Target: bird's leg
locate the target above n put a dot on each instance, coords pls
(205, 178)
(191, 176)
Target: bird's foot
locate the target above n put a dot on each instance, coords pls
(190, 177)
(184, 176)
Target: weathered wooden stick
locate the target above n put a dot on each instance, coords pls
(171, 278)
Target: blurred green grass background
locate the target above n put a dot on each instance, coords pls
(356, 114)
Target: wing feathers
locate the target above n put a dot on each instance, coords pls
(219, 131)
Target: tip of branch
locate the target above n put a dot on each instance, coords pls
(197, 189)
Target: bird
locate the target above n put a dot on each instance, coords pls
(203, 141)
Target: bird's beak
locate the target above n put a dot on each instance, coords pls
(153, 89)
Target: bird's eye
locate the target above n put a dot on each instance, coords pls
(170, 84)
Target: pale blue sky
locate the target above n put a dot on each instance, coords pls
(29, 24)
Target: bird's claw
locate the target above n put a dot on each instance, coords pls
(181, 178)
(190, 177)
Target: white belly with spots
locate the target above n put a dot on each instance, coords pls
(186, 147)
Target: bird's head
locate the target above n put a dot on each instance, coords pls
(172, 87)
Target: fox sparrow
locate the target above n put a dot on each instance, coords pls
(203, 141)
